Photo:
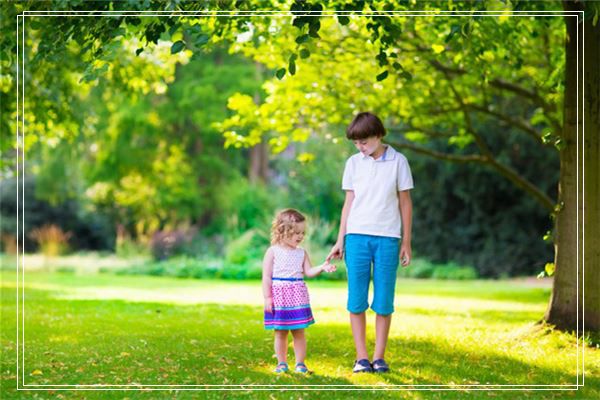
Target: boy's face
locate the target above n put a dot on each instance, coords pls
(367, 146)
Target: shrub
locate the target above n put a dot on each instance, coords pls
(165, 244)
(51, 239)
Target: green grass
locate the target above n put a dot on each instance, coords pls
(90, 329)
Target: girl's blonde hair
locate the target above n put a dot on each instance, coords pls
(284, 223)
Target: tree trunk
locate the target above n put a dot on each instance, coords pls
(591, 159)
(259, 154)
(568, 279)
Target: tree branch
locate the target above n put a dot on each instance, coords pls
(519, 124)
(459, 158)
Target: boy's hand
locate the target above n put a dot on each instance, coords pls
(337, 251)
(269, 304)
(405, 255)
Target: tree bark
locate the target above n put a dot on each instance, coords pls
(591, 160)
(259, 154)
(570, 290)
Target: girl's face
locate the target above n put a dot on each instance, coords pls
(296, 237)
(368, 146)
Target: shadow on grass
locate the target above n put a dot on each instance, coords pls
(120, 342)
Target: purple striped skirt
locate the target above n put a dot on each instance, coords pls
(291, 306)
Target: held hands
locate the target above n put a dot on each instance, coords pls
(328, 267)
(269, 304)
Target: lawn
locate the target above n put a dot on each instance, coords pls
(120, 330)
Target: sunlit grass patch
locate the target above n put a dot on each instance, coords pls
(143, 330)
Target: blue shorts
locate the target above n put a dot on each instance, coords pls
(362, 252)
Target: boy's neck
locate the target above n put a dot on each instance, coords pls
(379, 152)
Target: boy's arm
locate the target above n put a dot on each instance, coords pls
(405, 204)
(267, 274)
(337, 251)
(309, 270)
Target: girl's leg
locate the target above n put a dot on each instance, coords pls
(359, 332)
(299, 345)
(382, 331)
(281, 345)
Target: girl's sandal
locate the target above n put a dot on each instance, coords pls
(302, 369)
(281, 368)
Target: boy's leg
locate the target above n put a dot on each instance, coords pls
(281, 345)
(299, 345)
(385, 266)
(382, 331)
(358, 257)
(359, 333)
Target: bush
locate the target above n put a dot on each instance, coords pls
(247, 247)
(51, 239)
(165, 244)
(454, 271)
(185, 267)
(423, 269)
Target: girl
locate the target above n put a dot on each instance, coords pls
(287, 305)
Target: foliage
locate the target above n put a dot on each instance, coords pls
(165, 244)
(51, 239)
(90, 230)
(421, 268)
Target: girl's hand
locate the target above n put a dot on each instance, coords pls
(269, 304)
(327, 267)
(337, 251)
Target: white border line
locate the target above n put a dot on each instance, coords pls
(583, 200)
(18, 214)
(273, 387)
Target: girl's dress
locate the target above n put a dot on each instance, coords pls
(291, 304)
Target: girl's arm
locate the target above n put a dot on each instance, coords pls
(337, 251)
(405, 204)
(309, 270)
(267, 274)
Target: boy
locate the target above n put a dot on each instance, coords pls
(377, 208)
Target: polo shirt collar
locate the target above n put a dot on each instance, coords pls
(389, 154)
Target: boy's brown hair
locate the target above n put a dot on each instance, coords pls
(365, 125)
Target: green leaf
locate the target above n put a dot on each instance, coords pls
(201, 40)
(314, 34)
(397, 66)
(302, 39)
(177, 47)
(280, 73)
(547, 236)
(559, 144)
(138, 51)
(382, 75)
(549, 268)
(406, 75)
(455, 29)
(304, 53)
(343, 20)
(292, 66)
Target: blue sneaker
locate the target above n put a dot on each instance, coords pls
(362, 366)
(380, 366)
(302, 369)
(281, 368)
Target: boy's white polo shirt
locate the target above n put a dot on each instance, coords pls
(376, 183)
